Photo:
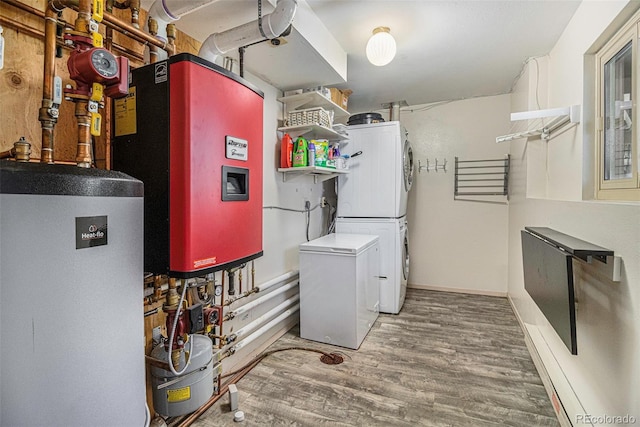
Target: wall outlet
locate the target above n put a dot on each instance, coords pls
(323, 202)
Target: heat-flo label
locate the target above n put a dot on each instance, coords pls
(237, 149)
(91, 231)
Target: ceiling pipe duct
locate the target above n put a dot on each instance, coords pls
(168, 11)
(394, 109)
(273, 26)
(395, 112)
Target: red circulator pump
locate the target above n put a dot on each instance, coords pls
(97, 73)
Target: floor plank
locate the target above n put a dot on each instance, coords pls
(448, 359)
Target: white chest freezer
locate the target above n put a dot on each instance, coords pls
(339, 288)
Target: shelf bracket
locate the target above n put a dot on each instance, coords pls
(561, 118)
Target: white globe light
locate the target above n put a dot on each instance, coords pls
(381, 47)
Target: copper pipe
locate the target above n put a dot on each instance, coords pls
(48, 115)
(171, 36)
(157, 363)
(253, 275)
(219, 383)
(153, 30)
(26, 8)
(37, 33)
(83, 117)
(128, 52)
(21, 28)
(84, 15)
(109, 20)
(107, 109)
(221, 392)
(130, 31)
(221, 332)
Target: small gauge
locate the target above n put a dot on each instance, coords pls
(218, 290)
(104, 63)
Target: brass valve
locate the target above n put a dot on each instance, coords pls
(153, 26)
(21, 150)
(171, 31)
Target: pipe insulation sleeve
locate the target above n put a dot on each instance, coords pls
(273, 26)
(253, 325)
(168, 11)
(248, 306)
(269, 283)
(257, 334)
(266, 285)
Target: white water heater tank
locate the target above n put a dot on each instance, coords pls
(71, 297)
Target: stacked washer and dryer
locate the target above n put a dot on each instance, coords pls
(372, 199)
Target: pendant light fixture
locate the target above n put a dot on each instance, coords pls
(381, 47)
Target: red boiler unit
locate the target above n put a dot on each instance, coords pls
(192, 133)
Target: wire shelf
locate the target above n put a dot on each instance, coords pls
(485, 177)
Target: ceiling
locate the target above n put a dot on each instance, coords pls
(447, 50)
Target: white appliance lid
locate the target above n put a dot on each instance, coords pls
(340, 243)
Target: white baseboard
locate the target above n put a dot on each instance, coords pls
(559, 405)
(457, 290)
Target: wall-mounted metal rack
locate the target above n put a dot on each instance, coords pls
(487, 177)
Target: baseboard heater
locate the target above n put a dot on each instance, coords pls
(548, 275)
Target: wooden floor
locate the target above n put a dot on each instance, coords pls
(447, 359)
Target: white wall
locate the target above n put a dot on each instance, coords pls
(602, 380)
(457, 244)
(283, 231)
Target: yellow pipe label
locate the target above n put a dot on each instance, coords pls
(97, 39)
(96, 92)
(179, 394)
(98, 10)
(96, 124)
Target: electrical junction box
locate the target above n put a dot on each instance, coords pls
(196, 318)
(192, 132)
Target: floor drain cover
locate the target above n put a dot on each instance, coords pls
(331, 359)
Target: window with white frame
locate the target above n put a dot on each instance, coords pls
(617, 148)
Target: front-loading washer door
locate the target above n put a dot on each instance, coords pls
(405, 255)
(407, 165)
